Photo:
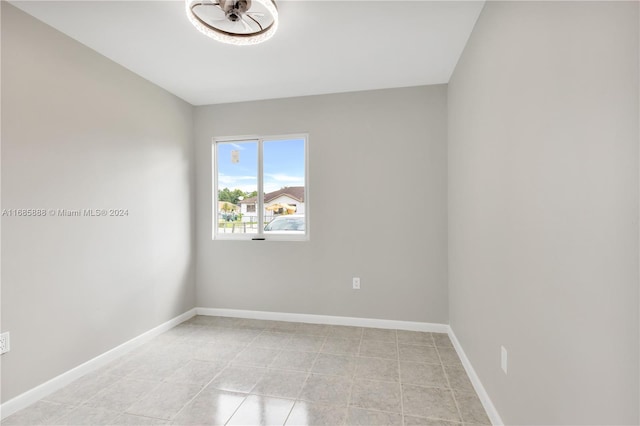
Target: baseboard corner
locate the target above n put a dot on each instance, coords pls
(491, 410)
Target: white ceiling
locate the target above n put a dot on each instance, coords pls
(320, 47)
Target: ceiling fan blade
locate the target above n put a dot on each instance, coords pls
(245, 24)
(211, 4)
(256, 14)
(256, 21)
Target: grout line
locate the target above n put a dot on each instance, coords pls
(297, 398)
(229, 364)
(236, 410)
(400, 379)
(353, 377)
(377, 410)
(215, 376)
(453, 395)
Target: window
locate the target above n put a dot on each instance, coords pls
(261, 187)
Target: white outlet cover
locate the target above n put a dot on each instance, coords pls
(356, 283)
(503, 359)
(4, 343)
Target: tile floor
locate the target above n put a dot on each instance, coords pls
(230, 371)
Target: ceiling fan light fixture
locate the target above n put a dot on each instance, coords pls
(238, 22)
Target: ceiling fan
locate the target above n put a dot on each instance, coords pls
(240, 22)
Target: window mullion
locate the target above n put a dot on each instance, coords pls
(214, 204)
(260, 190)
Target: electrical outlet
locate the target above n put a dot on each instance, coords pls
(356, 283)
(4, 343)
(503, 359)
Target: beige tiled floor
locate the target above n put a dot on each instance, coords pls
(215, 370)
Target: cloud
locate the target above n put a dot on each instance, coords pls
(244, 183)
(272, 182)
(279, 177)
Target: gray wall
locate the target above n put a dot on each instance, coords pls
(79, 131)
(543, 209)
(378, 195)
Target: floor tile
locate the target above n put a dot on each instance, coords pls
(181, 331)
(442, 340)
(458, 378)
(131, 420)
(39, 413)
(84, 415)
(257, 357)
(156, 368)
(359, 416)
(313, 329)
(254, 324)
(420, 421)
(345, 331)
(341, 346)
(331, 390)
(376, 395)
(421, 374)
(210, 407)
(379, 349)
(234, 336)
(379, 334)
(262, 410)
(334, 365)
(82, 389)
(125, 365)
(415, 353)
(307, 413)
(238, 379)
(284, 326)
(122, 394)
(224, 322)
(281, 383)
(294, 360)
(164, 401)
(377, 369)
(269, 372)
(201, 320)
(471, 408)
(196, 372)
(232, 322)
(429, 402)
(208, 334)
(217, 352)
(306, 343)
(177, 349)
(415, 338)
(272, 340)
(449, 356)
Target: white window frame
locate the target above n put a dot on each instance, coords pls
(260, 236)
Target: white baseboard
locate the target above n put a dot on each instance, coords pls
(24, 400)
(495, 418)
(325, 319)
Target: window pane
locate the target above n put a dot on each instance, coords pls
(283, 181)
(237, 187)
